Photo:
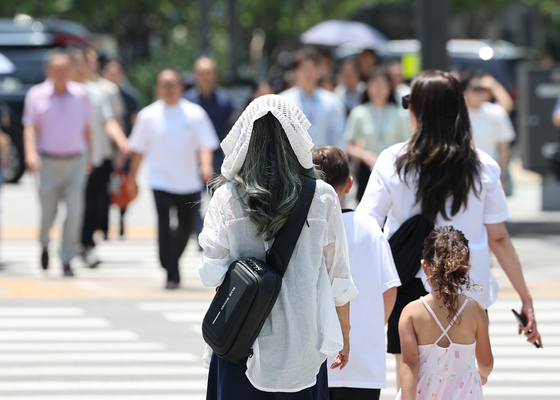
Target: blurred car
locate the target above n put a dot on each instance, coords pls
(24, 42)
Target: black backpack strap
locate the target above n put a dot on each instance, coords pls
(279, 255)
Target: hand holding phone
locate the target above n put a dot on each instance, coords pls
(523, 322)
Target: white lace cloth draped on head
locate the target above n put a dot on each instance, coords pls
(292, 119)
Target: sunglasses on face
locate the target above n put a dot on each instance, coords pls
(405, 101)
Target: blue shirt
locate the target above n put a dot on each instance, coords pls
(325, 111)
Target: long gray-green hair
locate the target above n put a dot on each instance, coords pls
(269, 177)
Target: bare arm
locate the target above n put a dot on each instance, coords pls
(409, 354)
(115, 132)
(4, 148)
(484, 357)
(389, 298)
(135, 162)
(498, 91)
(344, 317)
(501, 245)
(32, 159)
(556, 118)
(206, 155)
(356, 150)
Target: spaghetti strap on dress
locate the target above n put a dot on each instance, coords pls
(447, 373)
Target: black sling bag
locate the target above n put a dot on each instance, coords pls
(250, 288)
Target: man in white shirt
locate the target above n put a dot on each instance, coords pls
(376, 278)
(104, 130)
(172, 135)
(323, 109)
(492, 129)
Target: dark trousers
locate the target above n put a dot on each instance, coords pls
(345, 393)
(97, 201)
(227, 381)
(172, 242)
(362, 176)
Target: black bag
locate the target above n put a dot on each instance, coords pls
(250, 288)
(407, 244)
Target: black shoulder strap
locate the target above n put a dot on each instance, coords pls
(279, 255)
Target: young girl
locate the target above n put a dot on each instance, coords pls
(444, 332)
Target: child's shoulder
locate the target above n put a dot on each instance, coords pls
(413, 309)
(474, 307)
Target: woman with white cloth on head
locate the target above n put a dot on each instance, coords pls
(266, 150)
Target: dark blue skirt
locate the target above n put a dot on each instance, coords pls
(227, 381)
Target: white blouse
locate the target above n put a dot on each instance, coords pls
(303, 327)
(388, 196)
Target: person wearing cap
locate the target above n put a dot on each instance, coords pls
(171, 134)
(266, 151)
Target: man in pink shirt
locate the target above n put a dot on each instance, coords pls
(56, 137)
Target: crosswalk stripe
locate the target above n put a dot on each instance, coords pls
(41, 312)
(54, 323)
(544, 329)
(508, 377)
(509, 363)
(48, 347)
(172, 306)
(140, 385)
(543, 317)
(125, 370)
(66, 336)
(113, 397)
(183, 317)
(97, 357)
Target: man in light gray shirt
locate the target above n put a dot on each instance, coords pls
(323, 109)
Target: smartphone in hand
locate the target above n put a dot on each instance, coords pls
(523, 322)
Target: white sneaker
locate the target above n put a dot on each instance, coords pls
(88, 255)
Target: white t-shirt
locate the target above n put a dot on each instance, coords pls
(303, 327)
(373, 270)
(491, 125)
(170, 138)
(388, 196)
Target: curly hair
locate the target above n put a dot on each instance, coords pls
(446, 251)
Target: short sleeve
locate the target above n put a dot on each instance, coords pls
(214, 241)
(106, 109)
(140, 137)
(352, 130)
(389, 276)
(505, 130)
(377, 200)
(30, 116)
(335, 252)
(207, 136)
(495, 205)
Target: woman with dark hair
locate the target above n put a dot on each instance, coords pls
(439, 174)
(266, 151)
(373, 126)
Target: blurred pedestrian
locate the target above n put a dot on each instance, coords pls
(367, 61)
(374, 126)
(113, 72)
(105, 130)
(492, 129)
(350, 89)
(118, 106)
(373, 271)
(326, 70)
(214, 100)
(266, 151)
(556, 114)
(56, 120)
(177, 139)
(324, 109)
(435, 175)
(400, 89)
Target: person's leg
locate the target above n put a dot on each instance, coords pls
(74, 192)
(90, 213)
(187, 210)
(104, 198)
(227, 381)
(49, 195)
(165, 243)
